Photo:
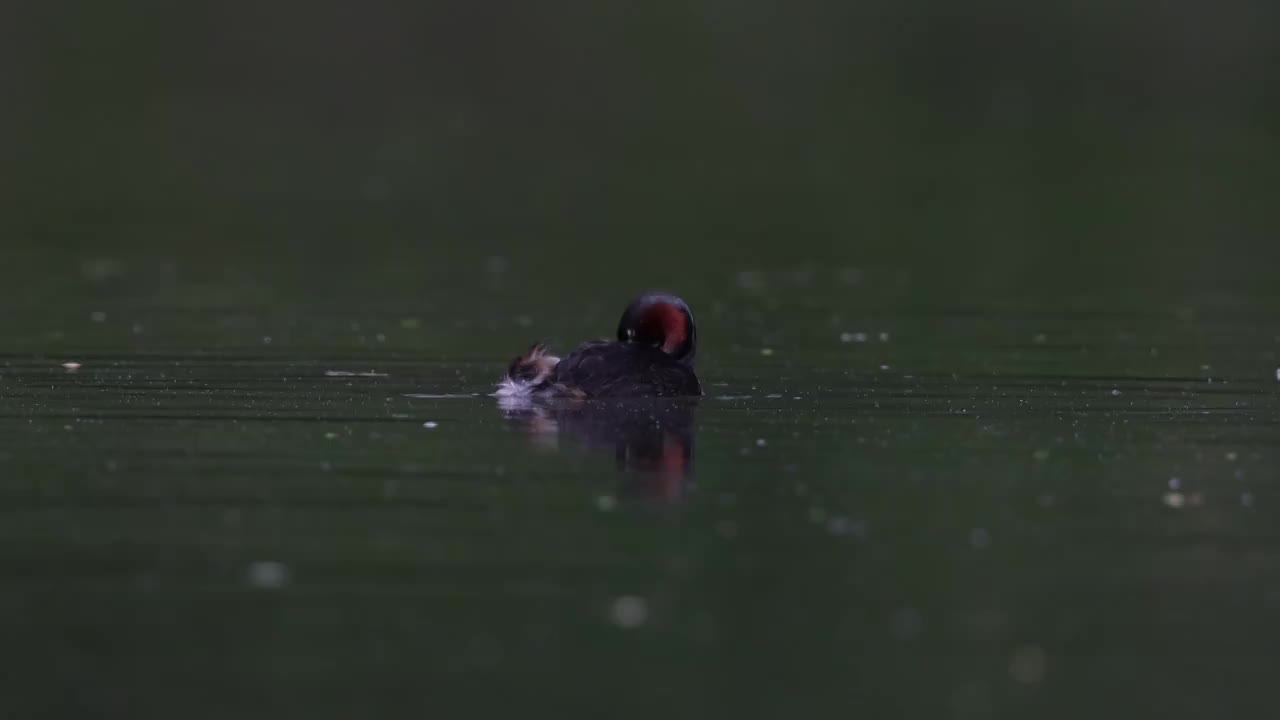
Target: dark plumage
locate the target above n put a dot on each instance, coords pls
(613, 369)
(652, 357)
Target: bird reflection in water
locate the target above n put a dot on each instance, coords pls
(651, 438)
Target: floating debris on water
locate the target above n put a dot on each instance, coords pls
(431, 424)
(1175, 484)
(761, 442)
(1231, 456)
(606, 503)
(1246, 499)
(268, 574)
(266, 340)
(98, 316)
(1115, 392)
(629, 611)
(1175, 500)
(979, 538)
(410, 323)
(884, 337)
(766, 351)
(352, 373)
(71, 366)
(858, 337)
(1041, 454)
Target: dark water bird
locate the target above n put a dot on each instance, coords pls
(651, 357)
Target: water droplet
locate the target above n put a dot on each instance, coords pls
(629, 611)
(268, 574)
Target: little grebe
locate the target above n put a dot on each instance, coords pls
(652, 357)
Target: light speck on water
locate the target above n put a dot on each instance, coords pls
(1175, 500)
(1027, 665)
(98, 316)
(1175, 484)
(629, 611)
(71, 366)
(431, 424)
(766, 351)
(1040, 454)
(761, 442)
(352, 373)
(907, 623)
(1246, 499)
(606, 503)
(979, 538)
(268, 574)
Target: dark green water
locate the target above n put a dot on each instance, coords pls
(989, 328)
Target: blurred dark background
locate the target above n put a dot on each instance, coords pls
(987, 318)
(1031, 149)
